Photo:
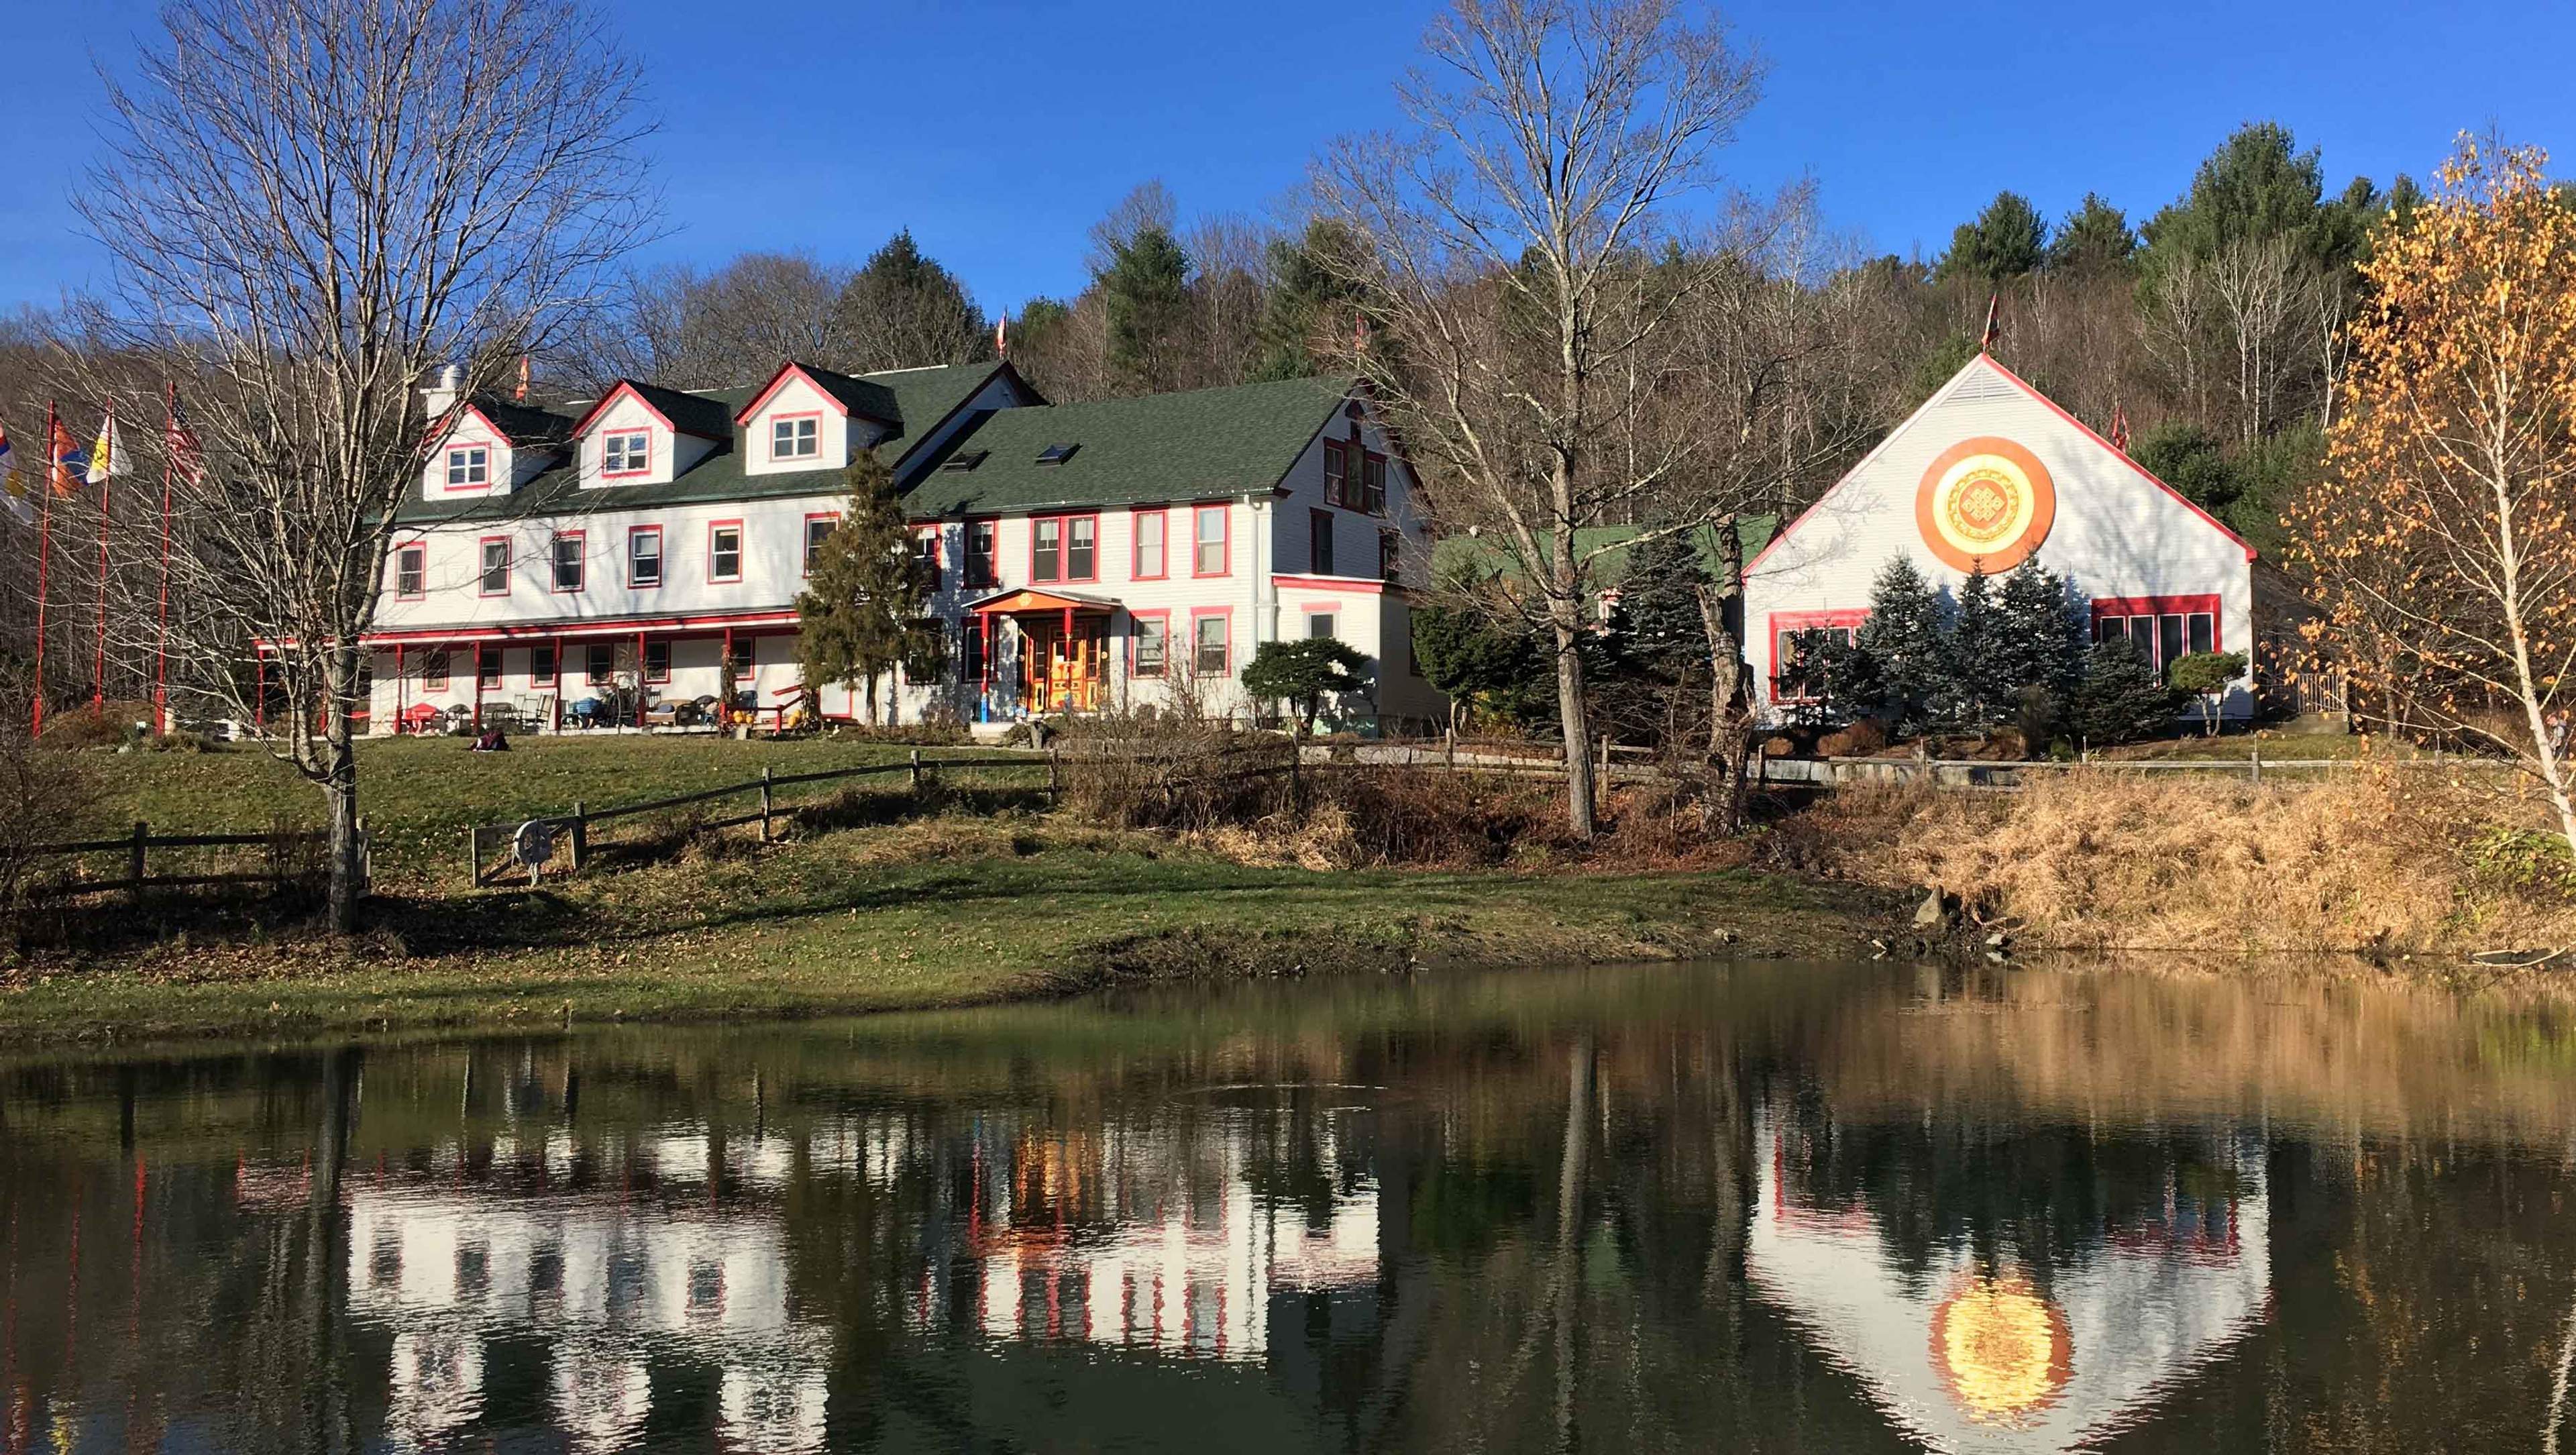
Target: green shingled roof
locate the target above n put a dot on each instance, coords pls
(916, 399)
(523, 425)
(1197, 445)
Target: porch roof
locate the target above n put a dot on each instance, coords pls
(1027, 598)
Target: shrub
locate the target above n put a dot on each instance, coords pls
(2120, 700)
(2204, 676)
(1129, 770)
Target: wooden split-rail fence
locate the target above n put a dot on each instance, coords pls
(287, 858)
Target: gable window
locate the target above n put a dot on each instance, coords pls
(1149, 644)
(724, 551)
(818, 529)
(983, 553)
(1046, 550)
(433, 669)
(495, 580)
(1320, 625)
(1337, 474)
(1209, 640)
(1373, 485)
(1151, 562)
(487, 669)
(599, 664)
(626, 452)
(792, 438)
(925, 559)
(411, 571)
(568, 560)
(1319, 542)
(469, 467)
(541, 666)
(644, 556)
(1390, 555)
(1209, 549)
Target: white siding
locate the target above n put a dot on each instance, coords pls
(795, 398)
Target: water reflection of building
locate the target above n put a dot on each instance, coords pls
(1978, 1354)
(1137, 1237)
(610, 1280)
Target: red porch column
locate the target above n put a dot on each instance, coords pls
(559, 670)
(401, 688)
(478, 687)
(640, 689)
(984, 689)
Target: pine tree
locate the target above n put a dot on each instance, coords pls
(2039, 640)
(1903, 640)
(902, 310)
(2007, 240)
(1146, 290)
(2120, 700)
(1310, 307)
(1658, 622)
(1973, 693)
(2095, 238)
(862, 609)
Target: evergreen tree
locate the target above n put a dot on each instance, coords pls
(2188, 457)
(1146, 290)
(1309, 309)
(2095, 238)
(1482, 668)
(2039, 640)
(903, 310)
(1904, 643)
(862, 609)
(1302, 673)
(1657, 623)
(1973, 693)
(2120, 700)
(2007, 240)
(2255, 187)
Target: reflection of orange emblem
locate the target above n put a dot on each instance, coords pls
(1987, 501)
(2001, 1349)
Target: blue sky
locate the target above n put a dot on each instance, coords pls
(999, 132)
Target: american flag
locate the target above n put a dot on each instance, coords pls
(187, 457)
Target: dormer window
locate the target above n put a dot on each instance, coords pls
(793, 438)
(625, 452)
(469, 467)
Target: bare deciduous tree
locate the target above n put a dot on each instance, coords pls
(1503, 240)
(313, 206)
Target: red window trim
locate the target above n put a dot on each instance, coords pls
(590, 653)
(741, 541)
(1225, 542)
(1162, 614)
(938, 550)
(805, 541)
(992, 575)
(1782, 622)
(491, 680)
(645, 660)
(1136, 544)
(442, 657)
(2193, 604)
(446, 467)
(661, 558)
(1064, 547)
(480, 571)
(1370, 457)
(770, 429)
(1336, 453)
(421, 546)
(645, 469)
(554, 573)
(1200, 613)
(549, 678)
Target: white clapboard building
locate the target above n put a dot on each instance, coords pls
(1084, 557)
(1990, 471)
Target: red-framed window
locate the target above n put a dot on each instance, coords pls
(925, 558)
(818, 529)
(566, 554)
(1149, 643)
(1212, 642)
(1151, 529)
(1783, 632)
(1319, 542)
(494, 577)
(411, 570)
(657, 660)
(487, 668)
(599, 663)
(724, 550)
(983, 553)
(433, 669)
(542, 667)
(2164, 629)
(643, 556)
(1323, 619)
(469, 467)
(1064, 548)
(1373, 484)
(1337, 473)
(624, 453)
(795, 436)
(1212, 540)
(1390, 556)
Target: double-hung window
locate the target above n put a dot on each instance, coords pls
(1373, 485)
(469, 467)
(495, 578)
(1337, 474)
(411, 571)
(626, 452)
(487, 669)
(925, 559)
(818, 529)
(1149, 646)
(541, 666)
(657, 660)
(1319, 542)
(792, 438)
(1082, 548)
(433, 669)
(644, 556)
(1210, 642)
(1209, 545)
(568, 560)
(599, 663)
(1150, 559)
(983, 553)
(724, 551)
(1390, 555)
(1046, 550)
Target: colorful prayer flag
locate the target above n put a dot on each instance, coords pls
(187, 456)
(13, 486)
(63, 462)
(107, 457)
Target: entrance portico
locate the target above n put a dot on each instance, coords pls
(1063, 659)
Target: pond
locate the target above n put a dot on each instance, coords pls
(1760, 1207)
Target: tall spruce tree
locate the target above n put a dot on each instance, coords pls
(2007, 240)
(1146, 291)
(1310, 306)
(903, 310)
(2095, 238)
(1658, 620)
(1904, 643)
(861, 612)
(1973, 694)
(2038, 638)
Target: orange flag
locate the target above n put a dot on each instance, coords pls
(63, 462)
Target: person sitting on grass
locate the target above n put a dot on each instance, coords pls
(493, 740)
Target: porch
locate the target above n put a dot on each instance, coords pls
(1059, 648)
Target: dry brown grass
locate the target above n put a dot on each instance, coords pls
(2371, 864)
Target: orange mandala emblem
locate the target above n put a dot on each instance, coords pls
(2001, 1349)
(1985, 500)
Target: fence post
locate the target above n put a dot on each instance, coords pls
(2255, 762)
(580, 836)
(1601, 782)
(1449, 740)
(916, 772)
(764, 803)
(474, 856)
(1055, 779)
(366, 858)
(142, 835)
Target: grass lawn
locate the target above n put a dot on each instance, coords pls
(869, 902)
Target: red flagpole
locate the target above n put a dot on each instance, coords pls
(44, 556)
(161, 648)
(106, 483)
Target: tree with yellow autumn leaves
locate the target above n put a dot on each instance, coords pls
(2440, 548)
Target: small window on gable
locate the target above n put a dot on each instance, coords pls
(469, 467)
(626, 452)
(792, 439)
